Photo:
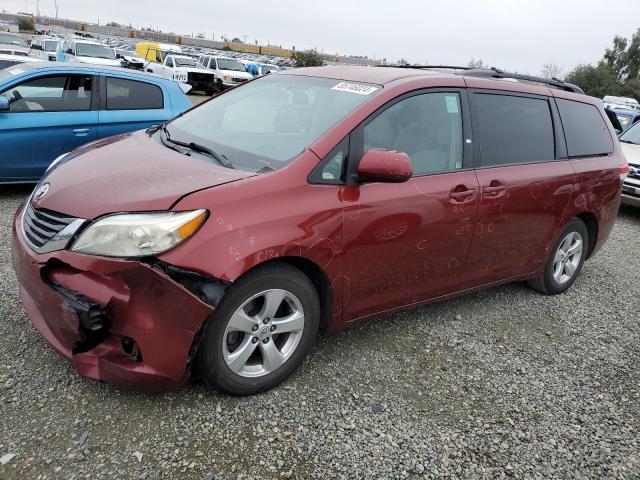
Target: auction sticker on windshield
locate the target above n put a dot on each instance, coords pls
(359, 88)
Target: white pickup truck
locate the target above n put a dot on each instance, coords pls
(185, 69)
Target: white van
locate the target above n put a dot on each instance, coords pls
(88, 51)
(44, 48)
(229, 71)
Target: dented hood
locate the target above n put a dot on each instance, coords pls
(126, 173)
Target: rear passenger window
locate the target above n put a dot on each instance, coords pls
(132, 95)
(514, 130)
(585, 129)
(426, 127)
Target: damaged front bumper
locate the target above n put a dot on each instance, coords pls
(125, 322)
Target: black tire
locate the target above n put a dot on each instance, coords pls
(210, 91)
(546, 283)
(211, 363)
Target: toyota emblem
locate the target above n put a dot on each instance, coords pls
(41, 191)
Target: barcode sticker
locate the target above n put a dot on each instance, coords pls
(359, 88)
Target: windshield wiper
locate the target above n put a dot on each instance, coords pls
(196, 147)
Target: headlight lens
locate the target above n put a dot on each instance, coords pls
(138, 234)
(226, 77)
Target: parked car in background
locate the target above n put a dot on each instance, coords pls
(13, 40)
(44, 48)
(312, 199)
(88, 51)
(260, 69)
(7, 60)
(627, 116)
(47, 109)
(185, 69)
(130, 59)
(613, 103)
(229, 71)
(630, 142)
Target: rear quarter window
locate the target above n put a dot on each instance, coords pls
(585, 129)
(133, 95)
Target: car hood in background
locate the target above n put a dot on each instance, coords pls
(99, 61)
(130, 172)
(631, 152)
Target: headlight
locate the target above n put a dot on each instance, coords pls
(226, 77)
(138, 234)
(56, 161)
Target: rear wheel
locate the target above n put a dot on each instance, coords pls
(261, 331)
(565, 261)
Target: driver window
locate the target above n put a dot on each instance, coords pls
(51, 94)
(427, 127)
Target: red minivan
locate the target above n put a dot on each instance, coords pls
(308, 200)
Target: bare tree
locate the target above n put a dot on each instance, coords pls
(551, 70)
(473, 63)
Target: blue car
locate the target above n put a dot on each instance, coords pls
(49, 109)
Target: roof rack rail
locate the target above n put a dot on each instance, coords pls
(497, 73)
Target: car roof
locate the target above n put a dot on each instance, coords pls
(75, 67)
(376, 75)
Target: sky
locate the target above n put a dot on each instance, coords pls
(516, 35)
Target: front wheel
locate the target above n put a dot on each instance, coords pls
(261, 332)
(565, 261)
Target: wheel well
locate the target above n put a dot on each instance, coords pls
(319, 279)
(591, 222)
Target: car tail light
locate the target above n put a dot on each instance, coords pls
(623, 170)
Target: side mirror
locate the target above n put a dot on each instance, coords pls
(385, 166)
(4, 104)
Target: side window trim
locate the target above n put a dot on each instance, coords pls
(558, 134)
(94, 90)
(356, 146)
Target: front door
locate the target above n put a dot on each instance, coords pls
(49, 116)
(405, 243)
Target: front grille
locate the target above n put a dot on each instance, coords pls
(40, 226)
(200, 78)
(631, 189)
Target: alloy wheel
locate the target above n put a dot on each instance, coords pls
(263, 333)
(567, 258)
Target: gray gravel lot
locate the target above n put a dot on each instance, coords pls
(501, 383)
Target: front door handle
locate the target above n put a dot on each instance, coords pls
(81, 132)
(461, 194)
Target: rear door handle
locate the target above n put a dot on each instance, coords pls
(81, 132)
(495, 191)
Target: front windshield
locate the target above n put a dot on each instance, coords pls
(230, 64)
(96, 51)
(184, 62)
(270, 121)
(50, 45)
(13, 39)
(632, 135)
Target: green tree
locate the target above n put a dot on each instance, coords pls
(25, 24)
(307, 59)
(595, 81)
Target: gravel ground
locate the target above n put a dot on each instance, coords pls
(501, 383)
